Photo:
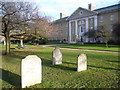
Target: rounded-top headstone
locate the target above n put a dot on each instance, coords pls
(31, 71)
(57, 56)
(82, 62)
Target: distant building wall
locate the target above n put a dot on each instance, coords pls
(62, 32)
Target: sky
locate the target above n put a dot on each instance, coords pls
(53, 8)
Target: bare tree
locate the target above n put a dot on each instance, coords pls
(14, 16)
(43, 27)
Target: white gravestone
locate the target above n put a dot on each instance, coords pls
(82, 62)
(57, 56)
(31, 70)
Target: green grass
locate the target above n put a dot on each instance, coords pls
(102, 69)
(92, 47)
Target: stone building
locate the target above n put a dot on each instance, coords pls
(71, 28)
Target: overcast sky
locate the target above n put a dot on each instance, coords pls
(53, 8)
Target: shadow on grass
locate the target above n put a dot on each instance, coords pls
(22, 54)
(12, 48)
(113, 61)
(102, 67)
(70, 63)
(60, 66)
(64, 67)
(11, 78)
(25, 53)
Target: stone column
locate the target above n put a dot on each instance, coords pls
(95, 22)
(76, 27)
(21, 42)
(87, 27)
(4, 42)
(76, 30)
(69, 32)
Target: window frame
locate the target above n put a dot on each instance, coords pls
(82, 29)
(91, 20)
(81, 12)
(101, 18)
(81, 22)
(112, 17)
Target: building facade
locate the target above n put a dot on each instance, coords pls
(73, 27)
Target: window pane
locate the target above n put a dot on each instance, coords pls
(81, 12)
(112, 17)
(91, 20)
(101, 18)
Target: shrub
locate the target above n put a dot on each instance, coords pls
(38, 40)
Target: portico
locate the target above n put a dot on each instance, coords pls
(79, 26)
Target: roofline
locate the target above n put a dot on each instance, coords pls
(61, 21)
(83, 16)
(106, 7)
(89, 10)
(84, 9)
(94, 11)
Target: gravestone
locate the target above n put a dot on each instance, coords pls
(82, 62)
(57, 56)
(31, 71)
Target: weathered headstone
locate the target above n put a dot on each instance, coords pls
(57, 56)
(82, 62)
(31, 71)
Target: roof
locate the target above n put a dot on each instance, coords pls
(97, 11)
(108, 8)
(62, 19)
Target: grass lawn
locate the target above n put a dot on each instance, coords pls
(92, 47)
(102, 69)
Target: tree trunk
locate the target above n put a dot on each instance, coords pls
(107, 44)
(7, 39)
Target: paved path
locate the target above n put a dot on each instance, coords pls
(49, 46)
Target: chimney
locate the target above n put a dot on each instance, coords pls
(62, 15)
(91, 7)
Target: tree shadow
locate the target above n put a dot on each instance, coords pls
(23, 54)
(103, 67)
(70, 63)
(60, 66)
(12, 48)
(113, 61)
(11, 78)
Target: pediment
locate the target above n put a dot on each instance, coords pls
(81, 12)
